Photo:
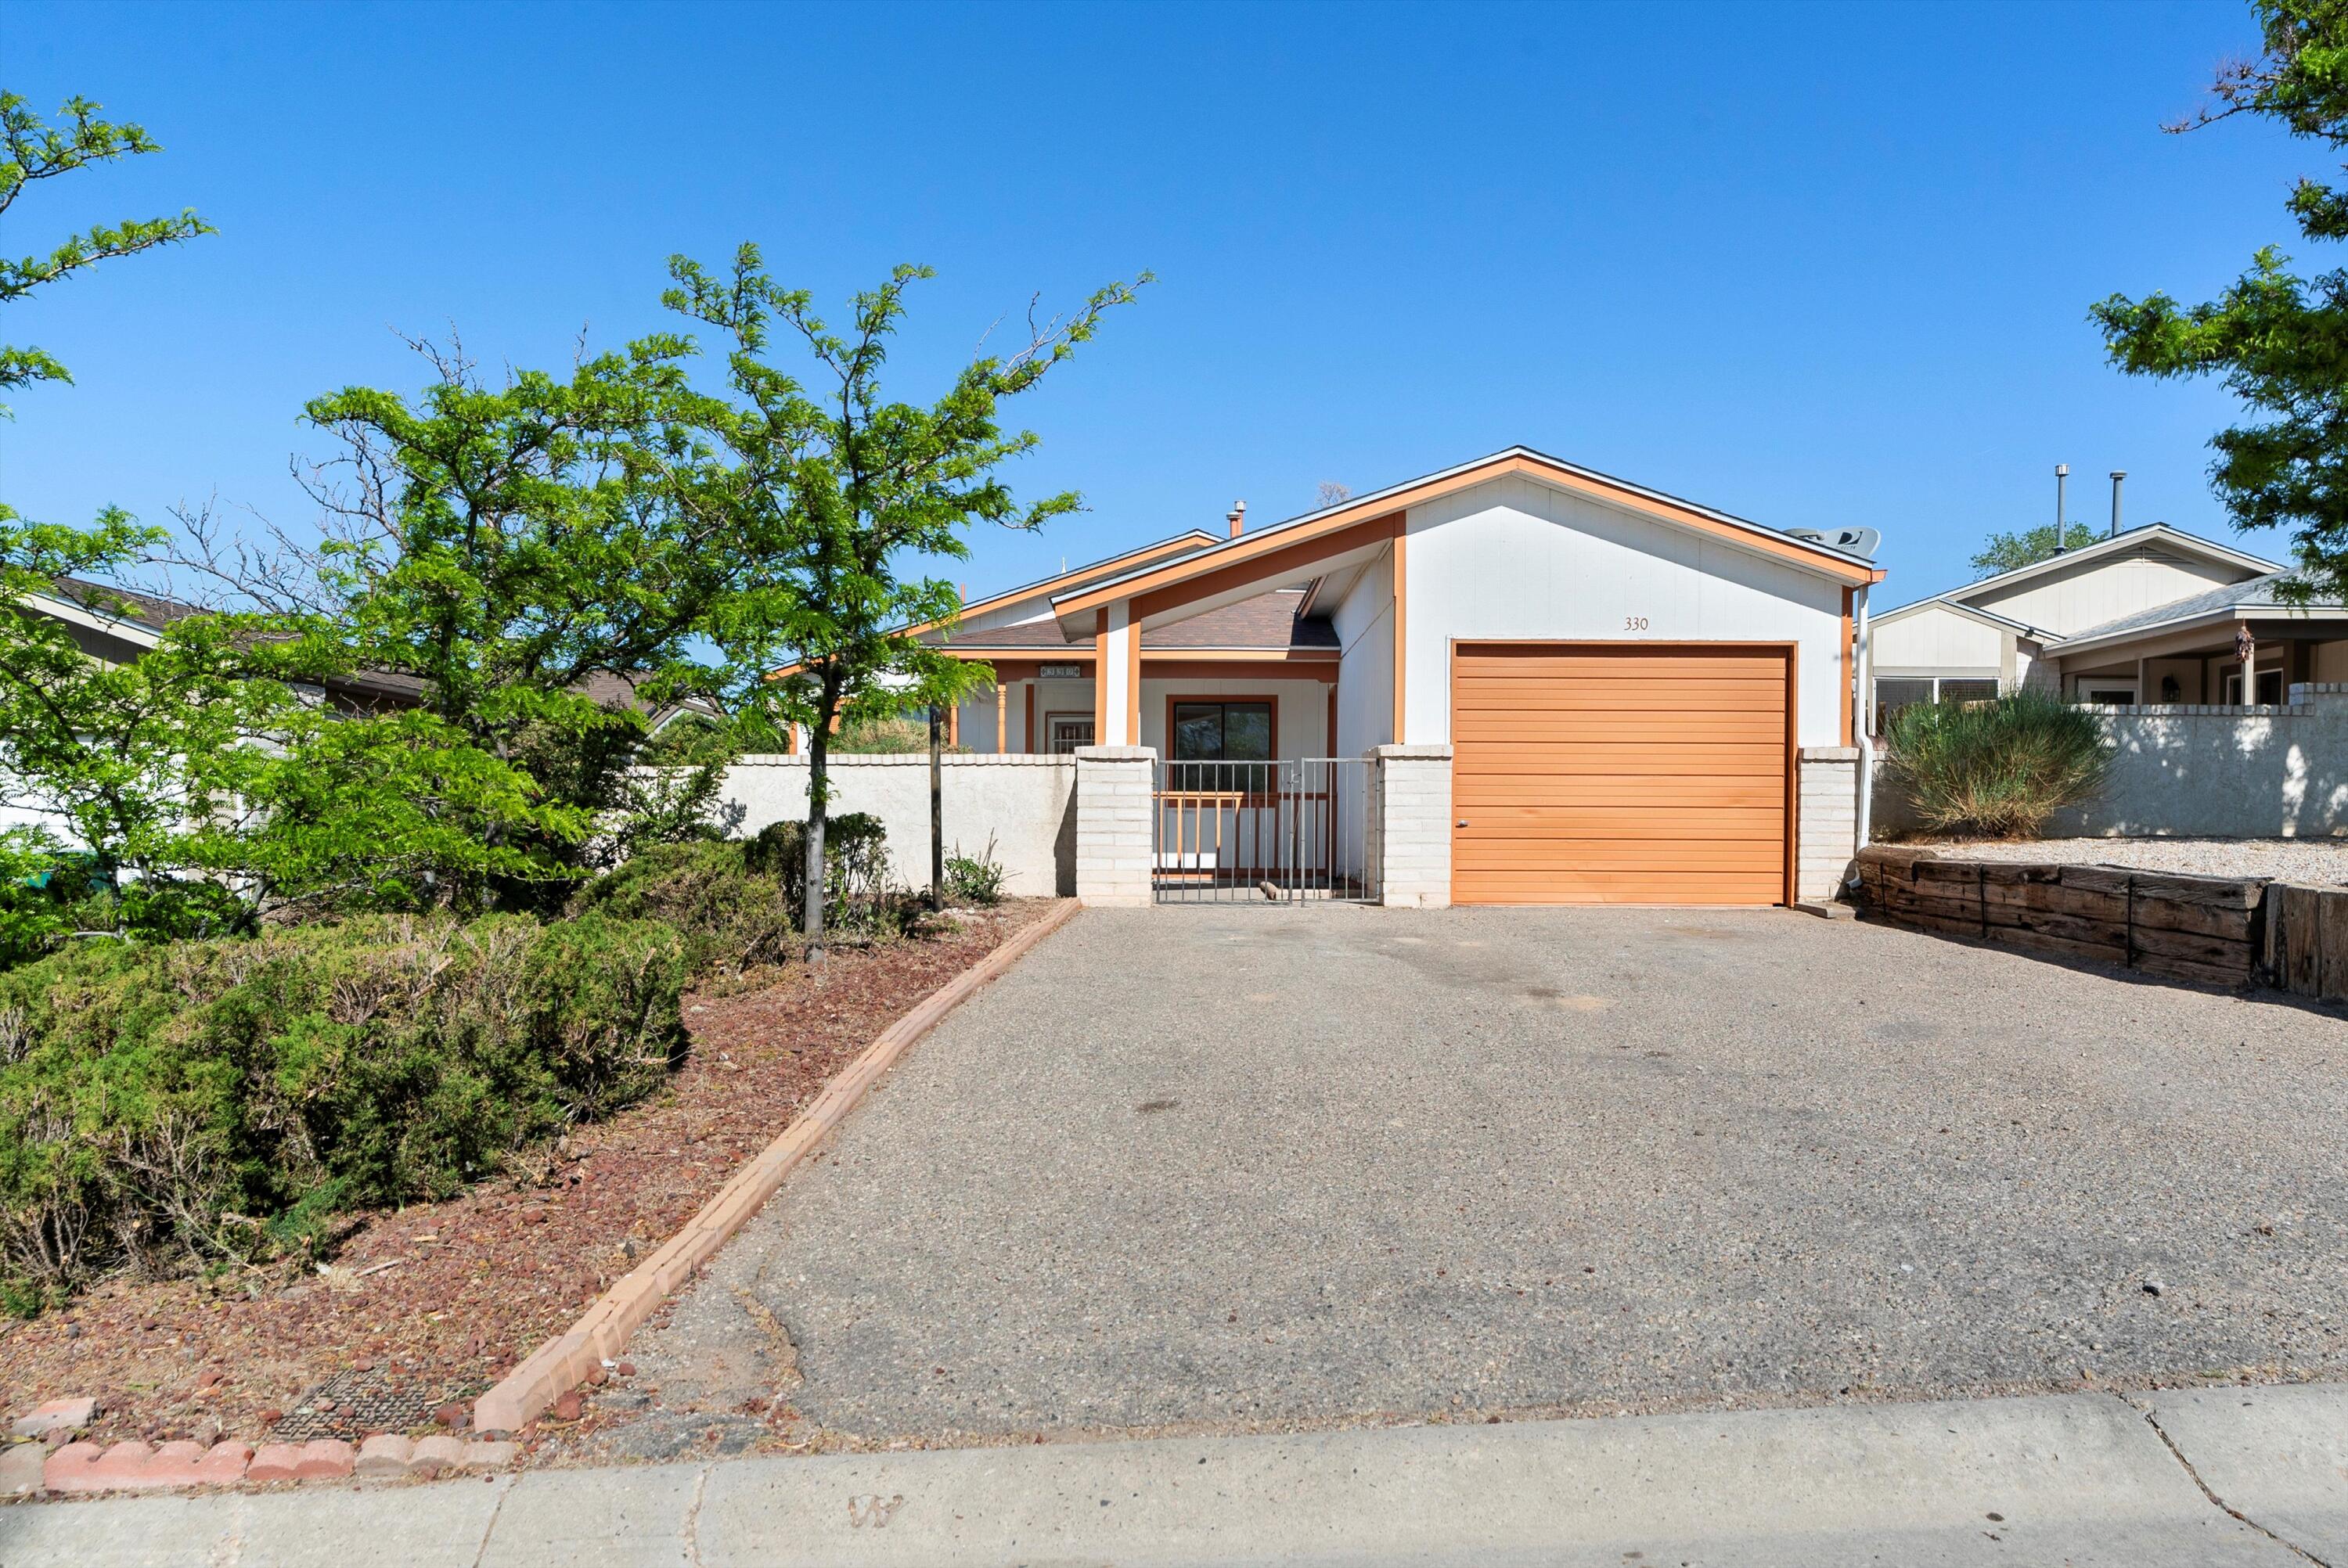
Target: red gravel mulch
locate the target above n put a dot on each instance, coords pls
(425, 1307)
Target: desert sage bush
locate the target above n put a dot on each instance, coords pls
(1999, 768)
(167, 1105)
(975, 878)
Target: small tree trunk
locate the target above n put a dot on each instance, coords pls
(937, 812)
(818, 793)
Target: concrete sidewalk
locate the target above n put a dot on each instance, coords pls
(2222, 1476)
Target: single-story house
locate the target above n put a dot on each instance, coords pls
(2150, 615)
(1627, 690)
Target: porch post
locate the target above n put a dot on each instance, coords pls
(1410, 809)
(1116, 668)
(1114, 841)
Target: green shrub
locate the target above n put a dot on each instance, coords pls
(731, 917)
(867, 736)
(858, 897)
(167, 1104)
(975, 878)
(1999, 768)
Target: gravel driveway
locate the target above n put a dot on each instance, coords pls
(1239, 1167)
(2284, 859)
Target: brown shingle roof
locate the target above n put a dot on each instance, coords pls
(1269, 620)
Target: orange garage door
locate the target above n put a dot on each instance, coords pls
(1638, 774)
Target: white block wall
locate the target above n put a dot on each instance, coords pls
(2203, 770)
(1826, 829)
(1114, 802)
(1412, 814)
(1027, 804)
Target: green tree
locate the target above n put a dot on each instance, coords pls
(524, 554)
(2006, 552)
(205, 785)
(845, 494)
(2280, 341)
(32, 150)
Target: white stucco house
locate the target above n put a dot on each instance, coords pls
(2147, 616)
(1554, 686)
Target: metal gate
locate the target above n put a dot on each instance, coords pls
(1263, 831)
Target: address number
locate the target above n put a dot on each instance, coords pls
(1634, 623)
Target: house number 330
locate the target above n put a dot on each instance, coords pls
(1634, 623)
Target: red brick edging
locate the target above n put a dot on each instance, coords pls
(562, 1363)
(132, 1466)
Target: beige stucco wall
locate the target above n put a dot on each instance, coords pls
(2207, 771)
(2067, 601)
(1518, 559)
(1937, 640)
(1026, 803)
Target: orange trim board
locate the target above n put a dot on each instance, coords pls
(562, 1363)
(1252, 547)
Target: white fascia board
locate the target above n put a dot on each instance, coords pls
(74, 614)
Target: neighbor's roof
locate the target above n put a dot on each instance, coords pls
(2237, 601)
(1971, 612)
(2120, 544)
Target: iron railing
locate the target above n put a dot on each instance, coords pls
(1267, 832)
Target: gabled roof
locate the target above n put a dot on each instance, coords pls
(1187, 542)
(1970, 613)
(1268, 622)
(2256, 598)
(1080, 603)
(2119, 544)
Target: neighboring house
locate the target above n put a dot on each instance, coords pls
(1623, 683)
(2148, 615)
(117, 625)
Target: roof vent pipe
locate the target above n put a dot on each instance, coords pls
(2062, 472)
(2117, 475)
(1237, 517)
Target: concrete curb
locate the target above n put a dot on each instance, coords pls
(562, 1363)
(2225, 1478)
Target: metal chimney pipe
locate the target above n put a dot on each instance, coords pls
(1237, 517)
(2061, 472)
(2117, 475)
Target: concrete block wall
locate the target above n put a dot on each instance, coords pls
(1114, 842)
(1024, 805)
(1411, 812)
(1827, 819)
(2204, 770)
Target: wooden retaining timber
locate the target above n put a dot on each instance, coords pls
(2307, 941)
(2212, 930)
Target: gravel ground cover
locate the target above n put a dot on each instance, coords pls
(1231, 1169)
(431, 1303)
(2283, 859)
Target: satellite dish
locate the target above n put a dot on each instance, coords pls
(1860, 542)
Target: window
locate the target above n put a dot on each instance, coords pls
(1969, 690)
(2270, 687)
(1220, 731)
(1068, 732)
(1895, 693)
(2111, 696)
(1216, 743)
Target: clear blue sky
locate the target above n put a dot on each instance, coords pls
(1814, 265)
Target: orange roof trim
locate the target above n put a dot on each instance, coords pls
(1285, 537)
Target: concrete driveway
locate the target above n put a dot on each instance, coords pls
(1231, 1168)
